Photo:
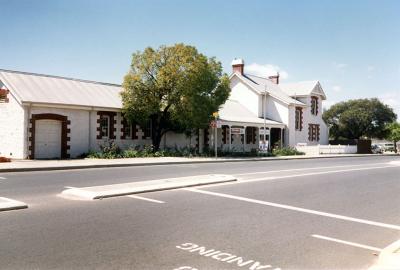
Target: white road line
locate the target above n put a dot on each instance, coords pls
(310, 168)
(144, 199)
(271, 178)
(2, 178)
(298, 209)
(346, 242)
(312, 173)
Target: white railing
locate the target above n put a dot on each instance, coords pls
(327, 149)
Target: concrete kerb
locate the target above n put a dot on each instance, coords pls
(219, 160)
(389, 258)
(9, 204)
(106, 191)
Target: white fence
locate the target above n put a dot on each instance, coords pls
(313, 150)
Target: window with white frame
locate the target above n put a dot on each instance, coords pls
(313, 132)
(299, 119)
(128, 131)
(105, 126)
(314, 105)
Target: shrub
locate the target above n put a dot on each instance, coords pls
(130, 153)
(287, 151)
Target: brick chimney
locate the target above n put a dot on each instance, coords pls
(275, 78)
(238, 66)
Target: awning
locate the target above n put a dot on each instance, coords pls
(235, 114)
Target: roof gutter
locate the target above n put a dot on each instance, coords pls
(70, 106)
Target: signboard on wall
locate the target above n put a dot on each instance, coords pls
(237, 130)
(262, 132)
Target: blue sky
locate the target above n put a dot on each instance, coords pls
(351, 47)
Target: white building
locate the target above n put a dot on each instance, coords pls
(44, 116)
(292, 112)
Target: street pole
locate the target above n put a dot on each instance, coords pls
(265, 120)
(215, 114)
(216, 132)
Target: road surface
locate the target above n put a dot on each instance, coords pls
(299, 214)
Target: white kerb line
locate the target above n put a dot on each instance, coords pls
(144, 199)
(2, 178)
(346, 242)
(298, 209)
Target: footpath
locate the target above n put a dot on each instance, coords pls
(49, 165)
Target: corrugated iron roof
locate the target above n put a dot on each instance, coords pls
(261, 85)
(39, 88)
(304, 88)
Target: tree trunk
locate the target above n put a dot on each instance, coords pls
(158, 130)
(156, 138)
(395, 146)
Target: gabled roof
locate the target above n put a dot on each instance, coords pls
(260, 85)
(304, 88)
(47, 89)
(233, 111)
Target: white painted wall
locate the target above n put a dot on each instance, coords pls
(291, 133)
(308, 118)
(83, 133)
(276, 110)
(12, 129)
(178, 141)
(79, 143)
(314, 150)
(122, 143)
(246, 96)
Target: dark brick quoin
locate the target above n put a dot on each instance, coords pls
(4, 96)
(65, 132)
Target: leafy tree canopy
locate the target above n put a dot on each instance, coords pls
(394, 133)
(176, 87)
(359, 118)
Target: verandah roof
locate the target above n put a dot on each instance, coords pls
(234, 113)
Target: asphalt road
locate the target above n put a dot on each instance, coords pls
(301, 214)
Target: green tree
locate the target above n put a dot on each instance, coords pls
(394, 134)
(176, 87)
(359, 118)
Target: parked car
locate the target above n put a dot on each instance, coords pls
(376, 149)
(387, 147)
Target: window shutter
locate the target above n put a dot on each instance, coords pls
(134, 131)
(224, 133)
(248, 135)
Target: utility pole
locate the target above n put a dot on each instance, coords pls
(215, 134)
(265, 120)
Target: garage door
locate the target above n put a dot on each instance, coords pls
(48, 139)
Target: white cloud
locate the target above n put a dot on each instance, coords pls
(370, 68)
(339, 65)
(337, 88)
(392, 99)
(326, 104)
(265, 70)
